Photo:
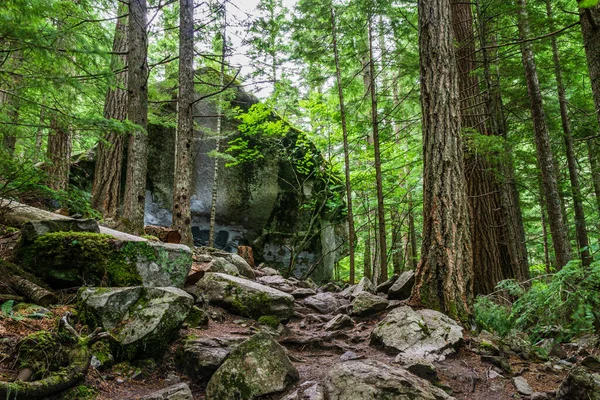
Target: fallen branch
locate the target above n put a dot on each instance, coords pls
(35, 293)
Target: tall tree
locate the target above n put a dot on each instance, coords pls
(545, 157)
(106, 190)
(338, 74)
(59, 152)
(444, 279)
(137, 112)
(580, 225)
(182, 214)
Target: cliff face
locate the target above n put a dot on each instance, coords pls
(269, 204)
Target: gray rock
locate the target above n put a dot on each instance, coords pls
(32, 230)
(268, 271)
(372, 380)
(365, 285)
(349, 355)
(255, 368)
(200, 358)
(223, 266)
(499, 362)
(324, 303)
(277, 282)
(418, 366)
(242, 265)
(301, 293)
(347, 292)
(141, 320)
(522, 386)
(580, 384)
(310, 390)
(180, 391)
(367, 304)
(402, 288)
(385, 286)
(243, 296)
(592, 363)
(539, 396)
(340, 321)
(423, 333)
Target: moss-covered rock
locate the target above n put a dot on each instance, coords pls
(256, 367)
(244, 297)
(141, 320)
(66, 259)
(41, 352)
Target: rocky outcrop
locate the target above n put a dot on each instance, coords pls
(257, 367)
(243, 296)
(141, 320)
(369, 380)
(424, 334)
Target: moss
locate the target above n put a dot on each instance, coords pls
(251, 305)
(197, 318)
(103, 353)
(151, 238)
(269, 320)
(81, 392)
(41, 352)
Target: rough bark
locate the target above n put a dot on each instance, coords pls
(580, 224)
(106, 190)
(482, 186)
(350, 213)
(594, 159)
(33, 292)
(545, 157)
(134, 198)
(9, 103)
(513, 230)
(182, 214)
(383, 272)
(444, 278)
(590, 20)
(59, 154)
(367, 270)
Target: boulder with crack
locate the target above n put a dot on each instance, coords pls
(243, 296)
(141, 320)
(426, 334)
(257, 367)
(369, 380)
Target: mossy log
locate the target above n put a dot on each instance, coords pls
(33, 292)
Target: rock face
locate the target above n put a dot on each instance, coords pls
(367, 304)
(258, 203)
(200, 358)
(243, 296)
(581, 383)
(402, 288)
(424, 334)
(67, 259)
(373, 380)
(142, 320)
(256, 367)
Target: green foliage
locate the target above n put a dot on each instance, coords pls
(587, 3)
(269, 320)
(562, 306)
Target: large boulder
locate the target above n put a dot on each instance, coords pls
(67, 259)
(373, 380)
(325, 302)
(365, 285)
(424, 334)
(402, 288)
(34, 229)
(255, 368)
(244, 296)
(366, 304)
(581, 383)
(141, 320)
(199, 358)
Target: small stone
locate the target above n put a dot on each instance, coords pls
(539, 396)
(493, 374)
(522, 386)
(499, 362)
(349, 355)
(119, 380)
(172, 379)
(180, 391)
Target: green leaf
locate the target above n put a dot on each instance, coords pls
(587, 3)
(6, 308)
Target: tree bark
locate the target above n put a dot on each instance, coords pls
(594, 159)
(590, 20)
(182, 214)
(106, 190)
(9, 103)
(35, 293)
(350, 214)
(383, 272)
(59, 154)
(558, 229)
(513, 230)
(444, 278)
(580, 224)
(137, 112)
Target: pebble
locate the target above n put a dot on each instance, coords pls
(349, 355)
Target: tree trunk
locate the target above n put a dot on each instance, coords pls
(580, 224)
(444, 278)
(482, 187)
(544, 231)
(513, 230)
(383, 272)
(558, 229)
(39, 133)
(367, 256)
(590, 27)
(9, 103)
(350, 214)
(182, 214)
(137, 112)
(594, 159)
(398, 243)
(106, 191)
(59, 154)
(412, 235)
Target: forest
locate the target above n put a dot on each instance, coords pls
(330, 168)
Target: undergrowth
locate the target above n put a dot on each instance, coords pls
(562, 306)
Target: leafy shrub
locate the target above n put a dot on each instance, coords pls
(562, 306)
